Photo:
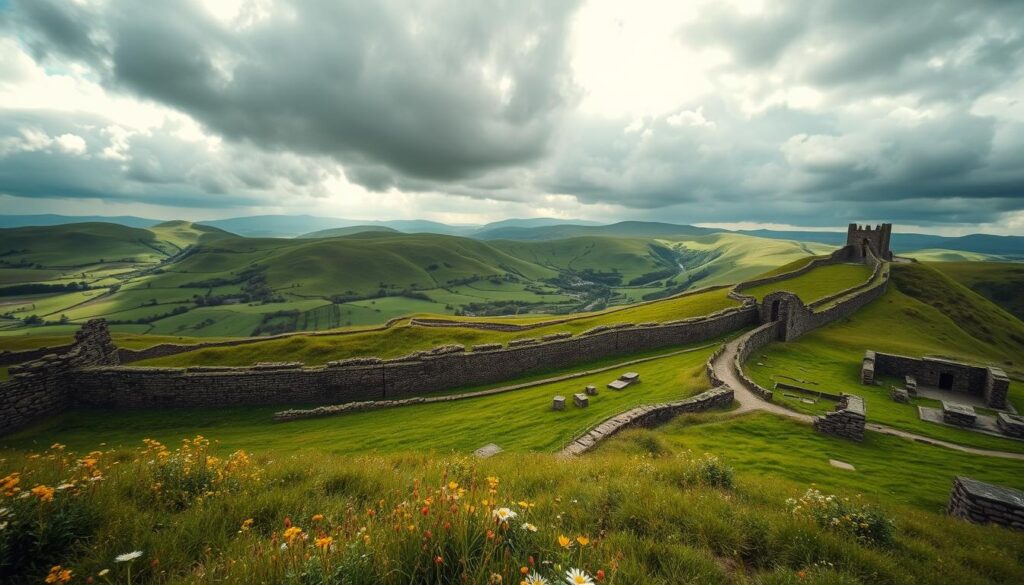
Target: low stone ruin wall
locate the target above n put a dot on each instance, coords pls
(985, 503)
(38, 388)
(749, 343)
(19, 357)
(649, 416)
(988, 382)
(847, 421)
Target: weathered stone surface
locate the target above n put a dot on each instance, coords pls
(899, 395)
(581, 400)
(488, 450)
(958, 414)
(847, 421)
(618, 384)
(558, 403)
(1010, 424)
(986, 503)
(591, 390)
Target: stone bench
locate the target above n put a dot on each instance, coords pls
(961, 415)
(581, 400)
(618, 384)
(558, 403)
(1010, 424)
(985, 503)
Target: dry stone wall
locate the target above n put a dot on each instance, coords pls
(39, 388)
(988, 382)
(89, 375)
(985, 503)
(750, 343)
(649, 416)
(847, 421)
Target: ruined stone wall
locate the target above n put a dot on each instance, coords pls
(649, 416)
(38, 388)
(372, 379)
(749, 343)
(8, 357)
(847, 421)
(990, 383)
(984, 503)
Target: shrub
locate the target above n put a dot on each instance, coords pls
(862, 521)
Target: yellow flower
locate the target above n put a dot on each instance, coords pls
(564, 541)
(324, 542)
(247, 524)
(526, 505)
(290, 534)
(583, 540)
(452, 485)
(45, 494)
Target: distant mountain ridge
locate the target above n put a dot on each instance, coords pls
(536, 229)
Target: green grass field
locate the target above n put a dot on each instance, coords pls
(818, 283)
(521, 420)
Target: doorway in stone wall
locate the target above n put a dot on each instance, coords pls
(946, 381)
(775, 310)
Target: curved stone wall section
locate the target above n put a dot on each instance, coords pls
(649, 416)
(8, 357)
(748, 344)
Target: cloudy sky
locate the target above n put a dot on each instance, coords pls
(803, 112)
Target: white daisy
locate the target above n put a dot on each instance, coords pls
(128, 556)
(529, 527)
(535, 579)
(578, 577)
(504, 514)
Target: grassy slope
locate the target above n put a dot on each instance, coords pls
(829, 358)
(521, 420)
(630, 257)
(403, 339)
(738, 257)
(81, 244)
(1000, 282)
(818, 283)
(940, 255)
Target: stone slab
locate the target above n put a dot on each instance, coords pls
(618, 384)
(488, 450)
(841, 465)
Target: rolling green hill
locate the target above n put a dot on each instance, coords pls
(1000, 282)
(347, 231)
(80, 244)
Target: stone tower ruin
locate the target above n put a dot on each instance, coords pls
(862, 238)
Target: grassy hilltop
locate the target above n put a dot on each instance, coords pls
(711, 498)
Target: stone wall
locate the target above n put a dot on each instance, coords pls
(749, 343)
(847, 421)
(985, 503)
(649, 416)
(8, 357)
(988, 382)
(39, 388)
(89, 375)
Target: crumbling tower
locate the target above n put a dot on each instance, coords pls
(863, 238)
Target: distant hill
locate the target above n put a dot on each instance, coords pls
(287, 226)
(12, 221)
(638, 229)
(903, 242)
(348, 231)
(533, 222)
(80, 244)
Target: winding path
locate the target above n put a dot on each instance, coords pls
(725, 368)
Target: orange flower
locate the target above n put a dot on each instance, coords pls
(324, 542)
(318, 517)
(58, 575)
(564, 541)
(45, 494)
(583, 540)
(291, 533)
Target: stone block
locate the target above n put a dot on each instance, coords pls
(591, 390)
(1010, 424)
(558, 403)
(618, 384)
(581, 400)
(900, 395)
(958, 414)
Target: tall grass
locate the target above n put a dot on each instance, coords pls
(669, 517)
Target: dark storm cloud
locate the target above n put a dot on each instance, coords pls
(916, 115)
(430, 90)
